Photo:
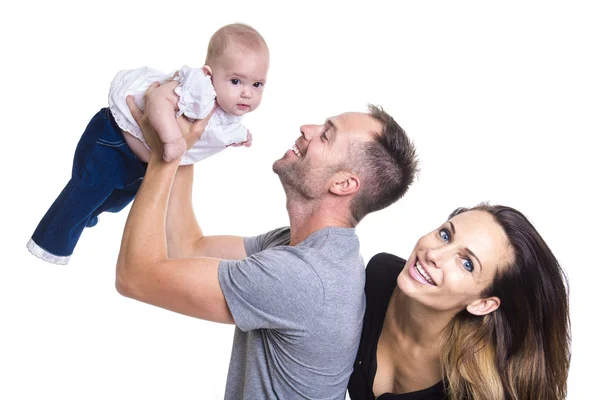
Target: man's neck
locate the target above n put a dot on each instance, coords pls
(307, 217)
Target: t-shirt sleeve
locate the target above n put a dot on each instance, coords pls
(272, 289)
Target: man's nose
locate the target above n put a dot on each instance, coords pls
(309, 131)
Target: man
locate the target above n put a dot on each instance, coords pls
(295, 294)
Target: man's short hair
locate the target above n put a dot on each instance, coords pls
(239, 34)
(387, 166)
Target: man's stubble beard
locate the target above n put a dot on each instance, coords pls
(298, 182)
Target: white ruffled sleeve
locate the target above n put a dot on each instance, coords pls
(234, 133)
(196, 93)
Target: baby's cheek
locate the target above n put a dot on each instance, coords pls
(226, 102)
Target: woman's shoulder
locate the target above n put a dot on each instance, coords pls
(384, 264)
(382, 271)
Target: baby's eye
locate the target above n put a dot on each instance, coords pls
(235, 81)
(257, 84)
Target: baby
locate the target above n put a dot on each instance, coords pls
(111, 156)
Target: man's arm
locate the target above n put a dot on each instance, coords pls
(184, 235)
(189, 286)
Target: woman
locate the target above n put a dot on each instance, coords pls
(479, 311)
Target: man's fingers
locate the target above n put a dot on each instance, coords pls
(199, 125)
(172, 78)
(153, 86)
(135, 111)
(209, 116)
(150, 89)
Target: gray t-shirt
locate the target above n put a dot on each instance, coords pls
(298, 311)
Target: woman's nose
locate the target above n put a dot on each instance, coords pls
(434, 256)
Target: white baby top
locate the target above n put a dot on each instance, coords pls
(196, 99)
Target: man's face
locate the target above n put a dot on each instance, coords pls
(321, 151)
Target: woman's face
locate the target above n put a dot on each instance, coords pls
(451, 266)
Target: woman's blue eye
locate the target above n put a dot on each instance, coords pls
(468, 264)
(235, 81)
(445, 235)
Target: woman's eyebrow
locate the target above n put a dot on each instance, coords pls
(453, 229)
(475, 257)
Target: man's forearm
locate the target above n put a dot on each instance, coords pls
(144, 238)
(184, 235)
(144, 271)
(188, 286)
(183, 230)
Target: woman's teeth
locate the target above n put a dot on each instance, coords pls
(424, 274)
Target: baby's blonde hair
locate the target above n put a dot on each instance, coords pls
(239, 34)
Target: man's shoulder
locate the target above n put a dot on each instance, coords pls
(273, 238)
(327, 247)
(332, 237)
(335, 244)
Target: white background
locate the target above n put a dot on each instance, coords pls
(501, 100)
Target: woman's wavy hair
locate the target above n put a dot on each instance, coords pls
(522, 349)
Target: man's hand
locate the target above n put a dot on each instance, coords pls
(191, 131)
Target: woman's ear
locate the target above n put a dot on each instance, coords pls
(345, 183)
(207, 70)
(482, 307)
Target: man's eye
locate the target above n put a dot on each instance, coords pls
(235, 81)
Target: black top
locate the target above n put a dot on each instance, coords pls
(382, 273)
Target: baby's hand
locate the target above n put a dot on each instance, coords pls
(245, 143)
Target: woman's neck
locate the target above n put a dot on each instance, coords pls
(415, 322)
(408, 351)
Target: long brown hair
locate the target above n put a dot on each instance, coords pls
(522, 349)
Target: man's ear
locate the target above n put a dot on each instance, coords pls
(345, 183)
(485, 306)
(207, 70)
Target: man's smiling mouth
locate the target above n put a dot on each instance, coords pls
(296, 150)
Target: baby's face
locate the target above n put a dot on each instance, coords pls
(239, 77)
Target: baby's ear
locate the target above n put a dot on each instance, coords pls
(207, 70)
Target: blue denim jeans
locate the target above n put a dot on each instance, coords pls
(106, 177)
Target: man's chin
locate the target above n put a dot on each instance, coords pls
(283, 170)
(279, 165)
